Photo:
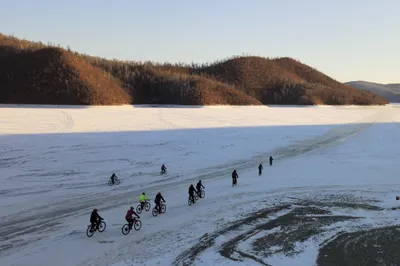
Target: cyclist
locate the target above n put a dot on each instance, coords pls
(191, 192)
(235, 176)
(157, 201)
(163, 169)
(95, 219)
(113, 178)
(129, 218)
(199, 185)
(143, 199)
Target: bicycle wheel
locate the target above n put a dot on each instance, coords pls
(125, 229)
(203, 194)
(147, 206)
(89, 232)
(110, 183)
(154, 212)
(117, 181)
(189, 202)
(102, 226)
(137, 225)
(163, 208)
(139, 208)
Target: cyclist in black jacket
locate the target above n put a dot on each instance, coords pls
(95, 219)
(199, 185)
(157, 201)
(235, 176)
(192, 190)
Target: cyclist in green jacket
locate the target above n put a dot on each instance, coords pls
(143, 199)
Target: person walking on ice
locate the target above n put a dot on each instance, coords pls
(260, 168)
(270, 160)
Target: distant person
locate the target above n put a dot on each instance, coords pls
(113, 178)
(191, 192)
(260, 168)
(163, 169)
(235, 176)
(270, 160)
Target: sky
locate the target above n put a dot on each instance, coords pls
(347, 40)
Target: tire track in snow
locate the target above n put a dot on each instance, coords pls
(41, 219)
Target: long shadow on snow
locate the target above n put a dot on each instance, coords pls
(109, 148)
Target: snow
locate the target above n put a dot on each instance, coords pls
(55, 163)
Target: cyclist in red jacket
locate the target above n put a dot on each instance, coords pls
(129, 218)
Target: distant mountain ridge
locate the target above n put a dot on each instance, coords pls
(36, 73)
(391, 92)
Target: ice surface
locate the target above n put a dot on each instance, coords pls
(55, 164)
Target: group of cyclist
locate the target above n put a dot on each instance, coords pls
(114, 176)
(142, 199)
(196, 190)
(95, 218)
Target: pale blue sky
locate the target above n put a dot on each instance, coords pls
(348, 40)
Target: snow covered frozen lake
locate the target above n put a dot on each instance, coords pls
(335, 167)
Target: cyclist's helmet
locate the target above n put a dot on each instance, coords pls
(94, 210)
